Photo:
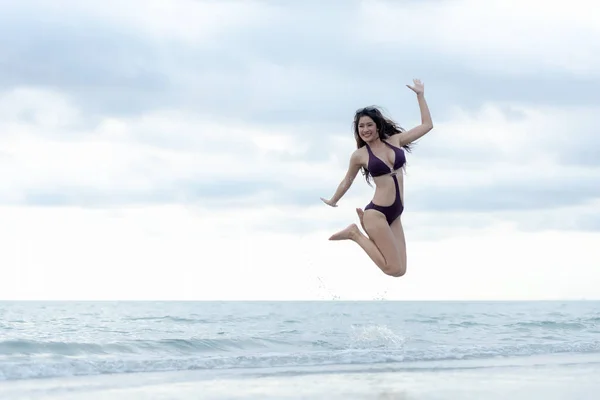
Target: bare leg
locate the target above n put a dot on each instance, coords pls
(361, 215)
(351, 232)
(381, 248)
(398, 232)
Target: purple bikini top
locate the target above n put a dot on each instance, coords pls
(377, 167)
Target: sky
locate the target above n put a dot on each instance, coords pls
(177, 150)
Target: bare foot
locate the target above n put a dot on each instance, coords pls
(347, 233)
(361, 214)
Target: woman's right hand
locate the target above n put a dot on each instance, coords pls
(329, 202)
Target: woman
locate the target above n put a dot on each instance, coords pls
(380, 154)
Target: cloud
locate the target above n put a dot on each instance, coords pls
(179, 21)
(528, 194)
(267, 143)
(503, 157)
(579, 218)
(223, 58)
(507, 156)
(113, 57)
(70, 253)
(198, 136)
(502, 37)
(168, 156)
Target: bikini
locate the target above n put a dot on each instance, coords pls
(377, 168)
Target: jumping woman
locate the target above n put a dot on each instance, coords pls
(380, 154)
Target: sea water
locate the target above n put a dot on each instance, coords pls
(320, 349)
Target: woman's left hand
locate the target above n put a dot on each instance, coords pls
(417, 86)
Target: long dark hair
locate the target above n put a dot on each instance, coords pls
(386, 127)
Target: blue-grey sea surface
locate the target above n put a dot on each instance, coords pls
(59, 339)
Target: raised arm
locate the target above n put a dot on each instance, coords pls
(426, 123)
(353, 168)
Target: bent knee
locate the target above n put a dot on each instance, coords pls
(395, 271)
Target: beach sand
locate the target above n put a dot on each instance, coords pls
(548, 381)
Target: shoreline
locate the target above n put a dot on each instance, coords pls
(561, 377)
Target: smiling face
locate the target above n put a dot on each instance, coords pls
(367, 129)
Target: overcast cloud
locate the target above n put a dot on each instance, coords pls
(250, 103)
(193, 138)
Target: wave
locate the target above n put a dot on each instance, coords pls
(554, 324)
(169, 318)
(119, 358)
(164, 346)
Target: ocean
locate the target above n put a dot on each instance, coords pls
(300, 350)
